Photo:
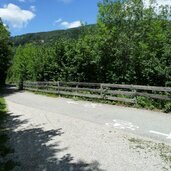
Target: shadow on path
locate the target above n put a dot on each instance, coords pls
(9, 90)
(36, 150)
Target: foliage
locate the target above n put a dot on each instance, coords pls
(137, 42)
(167, 107)
(5, 52)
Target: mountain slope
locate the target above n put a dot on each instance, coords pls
(51, 36)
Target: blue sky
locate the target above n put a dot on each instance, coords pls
(27, 16)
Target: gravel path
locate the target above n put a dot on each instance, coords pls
(50, 141)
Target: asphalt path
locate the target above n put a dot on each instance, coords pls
(155, 125)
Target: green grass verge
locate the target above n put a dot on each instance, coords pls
(153, 104)
(5, 164)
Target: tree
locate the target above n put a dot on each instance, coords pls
(5, 52)
(135, 37)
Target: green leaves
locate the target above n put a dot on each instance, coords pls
(137, 36)
(5, 52)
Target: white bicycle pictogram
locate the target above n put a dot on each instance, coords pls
(120, 124)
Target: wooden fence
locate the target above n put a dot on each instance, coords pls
(114, 92)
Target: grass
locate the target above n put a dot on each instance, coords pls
(153, 104)
(5, 164)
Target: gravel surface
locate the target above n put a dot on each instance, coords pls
(51, 141)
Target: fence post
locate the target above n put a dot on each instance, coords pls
(37, 85)
(101, 91)
(44, 85)
(20, 85)
(58, 87)
(135, 96)
(77, 88)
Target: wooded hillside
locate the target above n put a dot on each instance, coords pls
(49, 37)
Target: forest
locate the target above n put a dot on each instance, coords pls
(130, 44)
(49, 37)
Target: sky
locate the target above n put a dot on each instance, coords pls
(28, 16)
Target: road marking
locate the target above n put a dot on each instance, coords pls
(120, 124)
(72, 102)
(168, 136)
(91, 105)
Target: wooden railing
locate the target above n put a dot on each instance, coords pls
(115, 92)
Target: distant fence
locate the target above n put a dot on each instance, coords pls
(114, 92)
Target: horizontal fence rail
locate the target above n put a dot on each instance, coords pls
(114, 92)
